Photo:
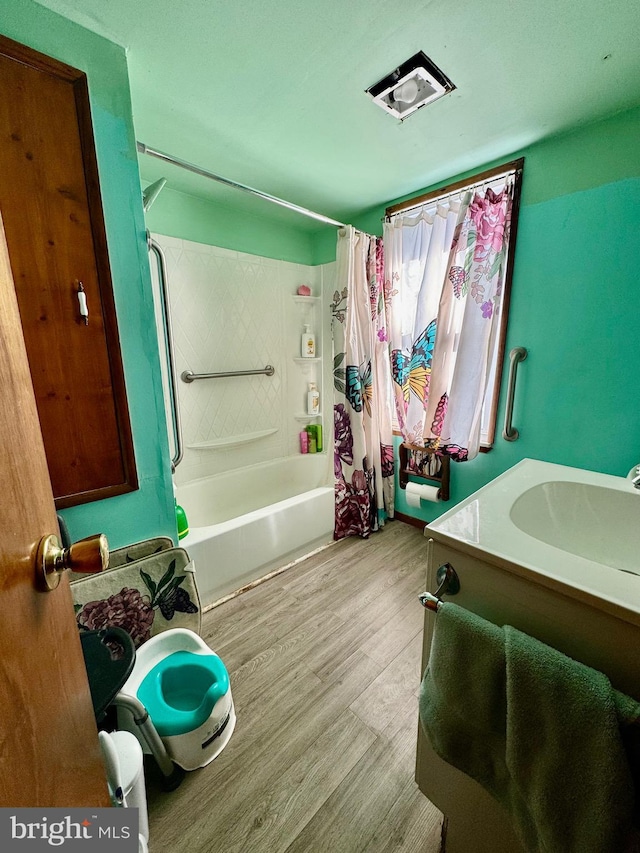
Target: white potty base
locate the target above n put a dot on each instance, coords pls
(197, 748)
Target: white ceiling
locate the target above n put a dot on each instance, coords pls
(271, 94)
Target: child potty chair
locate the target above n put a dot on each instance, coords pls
(184, 687)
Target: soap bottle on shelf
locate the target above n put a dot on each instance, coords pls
(313, 447)
(313, 399)
(315, 432)
(308, 343)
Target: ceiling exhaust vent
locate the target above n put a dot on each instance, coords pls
(414, 84)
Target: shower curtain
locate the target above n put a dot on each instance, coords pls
(445, 306)
(363, 448)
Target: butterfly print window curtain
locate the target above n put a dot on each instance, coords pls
(363, 448)
(446, 276)
(416, 252)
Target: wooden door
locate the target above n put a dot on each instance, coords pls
(50, 753)
(50, 202)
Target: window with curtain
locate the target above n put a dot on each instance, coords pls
(448, 264)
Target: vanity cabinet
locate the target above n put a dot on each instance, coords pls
(568, 619)
(52, 211)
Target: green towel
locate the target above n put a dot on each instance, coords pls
(544, 734)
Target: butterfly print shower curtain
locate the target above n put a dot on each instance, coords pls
(363, 448)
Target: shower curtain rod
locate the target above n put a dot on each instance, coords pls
(450, 195)
(168, 158)
(484, 179)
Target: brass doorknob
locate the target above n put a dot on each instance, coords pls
(89, 556)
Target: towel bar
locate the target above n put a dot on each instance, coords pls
(448, 584)
(429, 601)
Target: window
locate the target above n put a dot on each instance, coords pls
(423, 280)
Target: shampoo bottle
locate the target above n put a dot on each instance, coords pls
(308, 343)
(313, 445)
(313, 399)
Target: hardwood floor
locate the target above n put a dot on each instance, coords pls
(324, 662)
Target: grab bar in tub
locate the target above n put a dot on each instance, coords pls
(171, 363)
(188, 376)
(510, 433)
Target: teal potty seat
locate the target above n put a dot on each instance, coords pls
(180, 691)
(183, 691)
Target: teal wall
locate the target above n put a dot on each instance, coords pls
(187, 217)
(149, 510)
(575, 306)
(575, 301)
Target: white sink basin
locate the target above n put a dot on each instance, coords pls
(591, 521)
(557, 525)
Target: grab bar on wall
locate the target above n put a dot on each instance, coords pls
(188, 376)
(171, 363)
(510, 433)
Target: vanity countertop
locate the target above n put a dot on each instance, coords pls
(570, 529)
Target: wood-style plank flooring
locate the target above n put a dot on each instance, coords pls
(324, 662)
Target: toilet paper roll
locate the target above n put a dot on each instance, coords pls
(415, 492)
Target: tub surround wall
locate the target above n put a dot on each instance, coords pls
(234, 311)
(253, 501)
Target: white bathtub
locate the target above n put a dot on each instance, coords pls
(248, 522)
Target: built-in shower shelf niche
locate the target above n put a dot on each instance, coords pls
(232, 440)
(301, 416)
(306, 306)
